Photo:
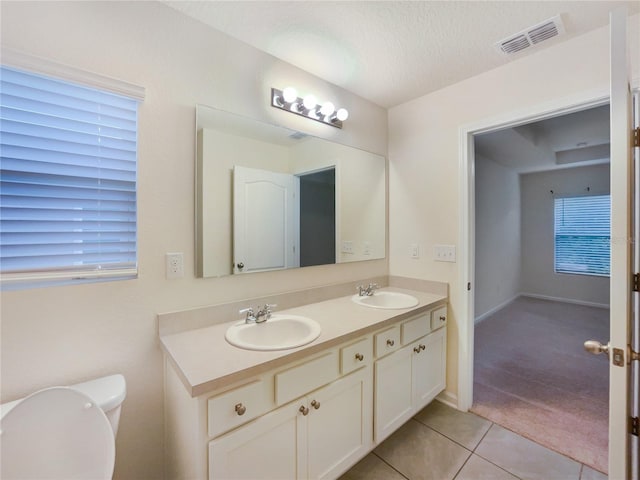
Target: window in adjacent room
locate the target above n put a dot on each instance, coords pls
(582, 235)
(68, 171)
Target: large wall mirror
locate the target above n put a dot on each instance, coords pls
(270, 198)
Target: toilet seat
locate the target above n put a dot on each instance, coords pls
(56, 433)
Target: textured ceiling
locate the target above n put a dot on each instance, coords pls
(393, 51)
(576, 139)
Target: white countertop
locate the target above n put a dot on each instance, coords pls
(205, 361)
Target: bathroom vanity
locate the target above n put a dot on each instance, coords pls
(308, 412)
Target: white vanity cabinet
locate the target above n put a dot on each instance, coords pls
(317, 436)
(313, 418)
(409, 378)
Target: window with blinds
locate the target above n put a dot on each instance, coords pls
(582, 235)
(68, 158)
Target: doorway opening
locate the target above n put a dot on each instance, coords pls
(317, 204)
(531, 312)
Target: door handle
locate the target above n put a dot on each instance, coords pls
(595, 347)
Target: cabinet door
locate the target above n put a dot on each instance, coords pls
(393, 397)
(428, 367)
(339, 429)
(271, 447)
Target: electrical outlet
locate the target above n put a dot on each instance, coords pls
(174, 265)
(366, 248)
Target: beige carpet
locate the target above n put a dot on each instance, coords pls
(532, 376)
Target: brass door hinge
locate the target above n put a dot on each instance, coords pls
(634, 426)
(635, 282)
(636, 137)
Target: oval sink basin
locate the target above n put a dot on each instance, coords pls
(280, 332)
(388, 300)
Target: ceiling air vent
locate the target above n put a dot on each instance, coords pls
(531, 36)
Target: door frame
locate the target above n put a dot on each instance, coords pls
(466, 235)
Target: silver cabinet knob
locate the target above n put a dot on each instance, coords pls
(391, 343)
(240, 409)
(359, 357)
(303, 410)
(443, 318)
(416, 349)
(422, 347)
(315, 404)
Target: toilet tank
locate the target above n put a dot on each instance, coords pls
(108, 393)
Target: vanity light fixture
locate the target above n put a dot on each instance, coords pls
(308, 107)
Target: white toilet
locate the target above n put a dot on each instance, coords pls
(62, 432)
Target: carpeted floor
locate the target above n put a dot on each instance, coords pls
(532, 376)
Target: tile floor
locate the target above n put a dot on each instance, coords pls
(442, 443)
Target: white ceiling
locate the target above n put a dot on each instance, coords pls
(390, 52)
(576, 139)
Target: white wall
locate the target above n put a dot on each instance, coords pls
(361, 196)
(68, 334)
(424, 154)
(497, 274)
(538, 233)
(220, 153)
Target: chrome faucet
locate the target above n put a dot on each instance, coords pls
(250, 317)
(262, 315)
(368, 290)
(264, 312)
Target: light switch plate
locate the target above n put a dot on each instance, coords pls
(444, 253)
(347, 246)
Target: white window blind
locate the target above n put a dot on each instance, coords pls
(582, 235)
(68, 158)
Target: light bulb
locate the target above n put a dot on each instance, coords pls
(327, 109)
(342, 114)
(309, 102)
(289, 94)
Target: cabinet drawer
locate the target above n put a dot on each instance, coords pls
(415, 328)
(438, 318)
(237, 406)
(387, 341)
(355, 355)
(302, 379)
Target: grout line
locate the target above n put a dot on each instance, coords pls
(453, 439)
(441, 434)
(391, 466)
(483, 436)
(462, 466)
(487, 460)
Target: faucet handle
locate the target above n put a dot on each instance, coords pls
(360, 289)
(249, 314)
(267, 309)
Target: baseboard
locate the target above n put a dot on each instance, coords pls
(565, 300)
(480, 318)
(448, 398)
